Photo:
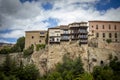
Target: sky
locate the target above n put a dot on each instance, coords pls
(18, 16)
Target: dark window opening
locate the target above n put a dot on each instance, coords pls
(115, 35)
(115, 27)
(42, 36)
(32, 37)
(57, 39)
(101, 62)
(109, 26)
(97, 34)
(96, 26)
(110, 35)
(40, 41)
(103, 34)
(92, 26)
(103, 26)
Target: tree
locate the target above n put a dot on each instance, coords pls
(102, 73)
(54, 76)
(70, 68)
(84, 76)
(28, 51)
(20, 43)
(28, 72)
(115, 65)
(19, 46)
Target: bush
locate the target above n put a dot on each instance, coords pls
(40, 46)
(5, 50)
(28, 51)
(108, 40)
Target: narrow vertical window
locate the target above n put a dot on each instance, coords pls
(115, 27)
(97, 34)
(103, 26)
(103, 34)
(115, 35)
(96, 26)
(109, 26)
(110, 35)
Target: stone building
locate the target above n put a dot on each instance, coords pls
(78, 31)
(35, 37)
(105, 30)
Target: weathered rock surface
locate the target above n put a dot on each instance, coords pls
(47, 58)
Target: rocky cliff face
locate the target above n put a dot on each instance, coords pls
(47, 58)
(91, 56)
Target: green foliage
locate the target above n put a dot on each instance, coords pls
(12, 71)
(84, 76)
(28, 72)
(40, 46)
(5, 50)
(108, 40)
(20, 44)
(102, 73)
(54, 76)
(70, 68)
(115, 65)
(18, 47)
(28, 51)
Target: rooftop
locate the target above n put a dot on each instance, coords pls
(105, 21)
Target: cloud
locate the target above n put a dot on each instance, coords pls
(40, 14)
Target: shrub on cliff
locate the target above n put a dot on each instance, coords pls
(28, 51)
(40, 46)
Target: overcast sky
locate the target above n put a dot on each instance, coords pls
(18, 16)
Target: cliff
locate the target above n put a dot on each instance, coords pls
(47, 58)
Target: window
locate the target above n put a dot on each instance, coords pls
(41, 32)
(115, 35)
(57, 34)
(57, 39)
(110, 35)
(40, 41)
(103, 34)
(92, 26)
(42, 36)
(32, 37)
(103, 26)
(96, 26)
(97, 34)
(115, 27)
(109, 26)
